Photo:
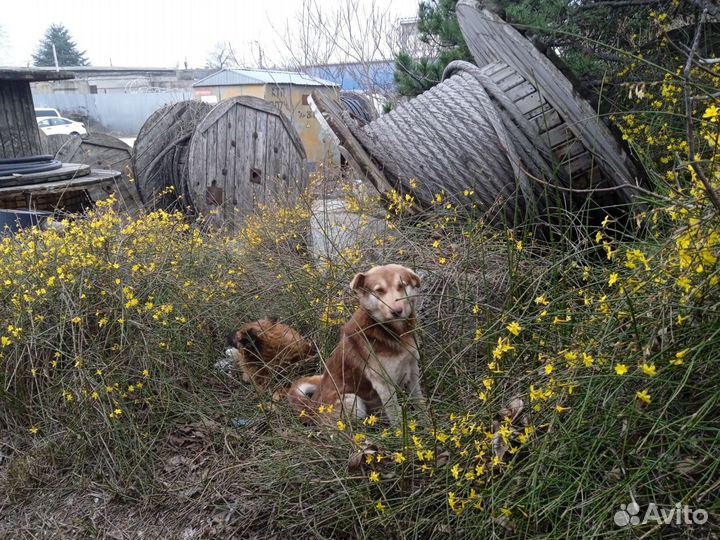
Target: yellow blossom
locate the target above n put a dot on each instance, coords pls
(649, 369)
(711, 112)
(370, 420)
(514, 328)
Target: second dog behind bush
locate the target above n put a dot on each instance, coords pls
(267, 347)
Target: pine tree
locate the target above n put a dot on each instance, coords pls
(66, 48)
(438, 26)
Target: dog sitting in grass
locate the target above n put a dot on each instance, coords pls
(266, 347)
(377, 353)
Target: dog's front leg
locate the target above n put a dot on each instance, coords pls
(390, 403)
(414, 386)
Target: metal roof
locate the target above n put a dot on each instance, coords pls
(32, 74)
(239, 77)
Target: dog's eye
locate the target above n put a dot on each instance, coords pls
(380, 290)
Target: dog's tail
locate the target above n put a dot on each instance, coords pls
(300, 397)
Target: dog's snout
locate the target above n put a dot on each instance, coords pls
(397, 312)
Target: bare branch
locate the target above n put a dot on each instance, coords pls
(689, 118)
(222, 56)
(350, 38)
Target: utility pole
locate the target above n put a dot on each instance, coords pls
(57, 67)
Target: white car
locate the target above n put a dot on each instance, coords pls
(54, 125)
(45, 112)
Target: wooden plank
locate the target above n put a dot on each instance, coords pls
(547, 121)
(213, 199)
(511, 81)
(271, 191)
(520, 91)
(221, 161)
(282, 174)
(65, 172)
(196, 170)
(531, 102)
(95, 178)
(261, 155)
(239, 195)
(251, 148)
(68, 148)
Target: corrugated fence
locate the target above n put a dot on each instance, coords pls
(119, 114)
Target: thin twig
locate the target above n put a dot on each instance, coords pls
(684, 50)
(689, 118)
(598, 189)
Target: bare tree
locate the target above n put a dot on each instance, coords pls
(222, 56)
(356, 38)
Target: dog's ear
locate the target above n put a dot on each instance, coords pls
(414, 279)
(232, 339)
(248, 340)
(243, 339)
(358, 282)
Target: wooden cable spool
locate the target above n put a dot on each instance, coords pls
(105, 152)
(597, 160)
(28, 186)
(493, 138)
(245, 152)
(161, 151)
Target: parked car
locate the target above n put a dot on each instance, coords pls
(52, 126)
(42, 112)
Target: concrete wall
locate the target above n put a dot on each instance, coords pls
(116, 114)
(255, 90)
(293, 100)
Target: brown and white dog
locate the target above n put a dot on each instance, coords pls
(377, 353)
(266, 347)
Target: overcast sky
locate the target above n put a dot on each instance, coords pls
(158, 33)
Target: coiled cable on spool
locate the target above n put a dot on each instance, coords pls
(28, 165)
(529, 154)
(463, 135)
